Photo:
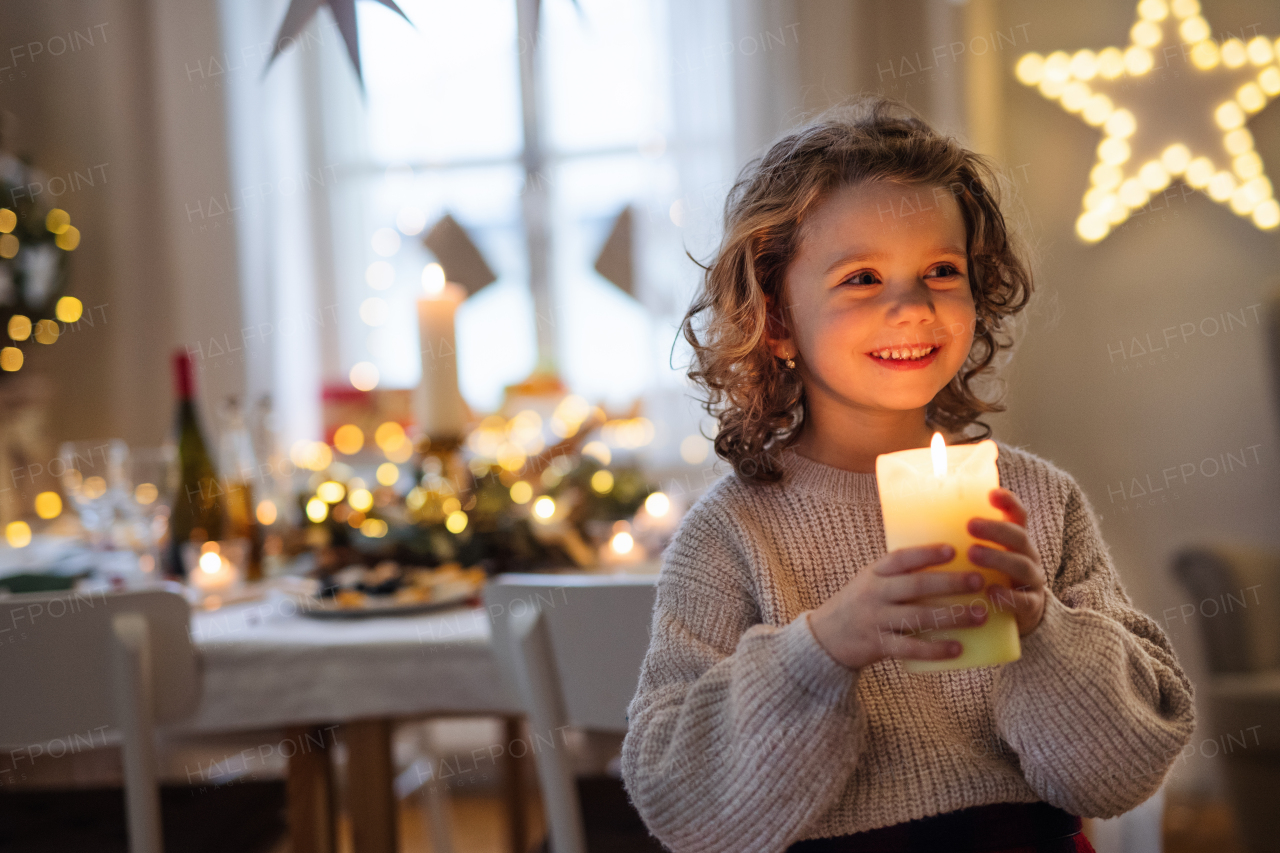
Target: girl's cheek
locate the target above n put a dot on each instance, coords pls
(834, 333)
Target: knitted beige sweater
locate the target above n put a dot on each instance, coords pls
(745, 735)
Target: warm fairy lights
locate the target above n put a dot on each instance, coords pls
(348, 439)
(388, 435)
(388, 474)
(317, 510)
(1124, 179)
(331, 491)
(19, 327)
(68, 309)
(267, 513)
(48, 505)
(657, 504)
(598, 451)
(602, 481)
(544, 508)
(360, 500)
(17, 534)
(364, 376)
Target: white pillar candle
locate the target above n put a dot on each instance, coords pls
(927, 496)
(438, 403)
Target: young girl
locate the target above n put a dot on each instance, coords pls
(861, 288)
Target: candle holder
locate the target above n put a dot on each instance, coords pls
(927, 496)
(447, 449)
(216, 568)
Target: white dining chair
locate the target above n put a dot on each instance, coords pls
(1139, 830)
(571, 646)
(77, 662)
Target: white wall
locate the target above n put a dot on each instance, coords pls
(153, 274)
(1071, 398)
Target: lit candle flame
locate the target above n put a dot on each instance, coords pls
(622, 543)
(210, 562)
(938, 450)
(433, 279)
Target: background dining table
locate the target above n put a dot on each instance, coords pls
(266, 665)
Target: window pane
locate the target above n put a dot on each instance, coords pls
(446, 88)
(495, 327)
(604, 74)
(606, 340)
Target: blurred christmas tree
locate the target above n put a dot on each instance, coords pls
(35, 241)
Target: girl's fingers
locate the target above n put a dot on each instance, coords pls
(924, 618)
(914, 648)
(1005, 600)
(909, 559)
(1020, 569)
(1008, 503)
(905, 588)
(1004, 533)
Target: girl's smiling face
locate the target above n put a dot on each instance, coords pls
(882, 315)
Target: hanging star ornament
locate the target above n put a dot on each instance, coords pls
(300, 13)
(1172, 105)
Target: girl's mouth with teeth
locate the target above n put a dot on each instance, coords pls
(905, 357)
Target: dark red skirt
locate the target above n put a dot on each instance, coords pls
(998, 828)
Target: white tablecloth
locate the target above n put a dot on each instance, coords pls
(264, 666)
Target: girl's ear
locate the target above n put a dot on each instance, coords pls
(776, 333)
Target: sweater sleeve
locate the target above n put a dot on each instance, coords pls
(1097, 708)
(740, 734)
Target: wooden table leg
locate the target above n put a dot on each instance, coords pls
(370, 792)
(309, 787)
(514, 793)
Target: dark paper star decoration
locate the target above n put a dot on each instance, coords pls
(300, 13)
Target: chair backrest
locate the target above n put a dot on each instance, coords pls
(1236, 601)
(598, 631)
(56, 668)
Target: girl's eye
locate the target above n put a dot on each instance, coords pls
(946, 270)
(861, 278)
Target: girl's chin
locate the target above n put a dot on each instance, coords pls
(891, 404)
(896, 391)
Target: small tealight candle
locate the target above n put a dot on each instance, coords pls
(927, 496)
(622, 549)
(213, 571)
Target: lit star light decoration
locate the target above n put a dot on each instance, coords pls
(1197, 134)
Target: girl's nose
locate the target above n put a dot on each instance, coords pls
(910, 302)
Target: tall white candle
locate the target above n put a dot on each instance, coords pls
(927, 496)
(438, 403)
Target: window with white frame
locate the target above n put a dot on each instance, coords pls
(623, 119)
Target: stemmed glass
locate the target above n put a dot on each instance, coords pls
(151, 482)
(94, 477)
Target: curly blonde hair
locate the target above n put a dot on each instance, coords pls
(760, 405)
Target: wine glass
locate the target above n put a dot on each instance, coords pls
(151, 482)
(94, 477)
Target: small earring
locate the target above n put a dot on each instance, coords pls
(790, 363)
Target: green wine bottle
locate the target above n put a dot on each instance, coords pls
(239, 469)
(199, 510)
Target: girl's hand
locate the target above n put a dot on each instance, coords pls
(875, 615)
(1019, 560)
